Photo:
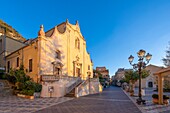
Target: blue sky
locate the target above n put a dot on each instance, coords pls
(113, 29)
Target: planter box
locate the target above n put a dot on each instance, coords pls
(25, 96)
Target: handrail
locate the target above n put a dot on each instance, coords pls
(80, 87)
(84, 84)
(72, 86)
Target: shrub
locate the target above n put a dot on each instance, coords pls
(156, 96)
(38, 87)
(29, 85)
(23, 83)
(27, 92)
(2, 74)
(165, 97)
(19, 85)
(11, 79)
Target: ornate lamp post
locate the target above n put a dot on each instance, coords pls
(142, 62)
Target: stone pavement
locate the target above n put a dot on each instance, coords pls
(111, 100)
(13, 104)
(150, 107)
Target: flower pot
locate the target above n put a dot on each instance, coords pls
(131, 93)
(166, 101)
(155, 100)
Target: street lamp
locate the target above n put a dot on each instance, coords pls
(142, 62)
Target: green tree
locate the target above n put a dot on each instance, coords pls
(19, 74)
(166, 59)
(99, 75)
(24, 83)
(132, 76)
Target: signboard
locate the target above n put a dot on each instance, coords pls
(50, 89)
(49, 78)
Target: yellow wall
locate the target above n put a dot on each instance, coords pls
(28, 52)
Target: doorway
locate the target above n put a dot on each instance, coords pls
(78, 72)
(150, 84)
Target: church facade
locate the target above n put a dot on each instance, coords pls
(59, 51)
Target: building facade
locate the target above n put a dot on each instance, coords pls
(150, 81)
(103, 71)
(120, 74)
(7, 46)
(59, 51)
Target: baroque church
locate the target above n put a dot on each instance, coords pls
(59, 51)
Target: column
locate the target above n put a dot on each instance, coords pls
(160, 88)
(74, 68)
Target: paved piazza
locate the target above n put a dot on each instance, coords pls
(150, 107)
(13, 104)
(111, 100)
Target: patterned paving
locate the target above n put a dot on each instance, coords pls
(13, 104)
(150, 107)
(111, 100)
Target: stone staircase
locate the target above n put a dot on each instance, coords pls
(72, 92)
(5, 88)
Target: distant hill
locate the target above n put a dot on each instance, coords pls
(10, 32)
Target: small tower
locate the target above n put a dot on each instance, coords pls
(41, 31)
(67, 21)
(77, 26)
(77, 23)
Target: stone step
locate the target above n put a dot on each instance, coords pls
(70, 95)
(72, 92)
(6, 92)
(5, 88)
(5, 84)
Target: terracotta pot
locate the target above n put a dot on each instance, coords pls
(166, 101)
(131, 93)
(155, 100)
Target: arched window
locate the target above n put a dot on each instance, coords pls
(58, 54)
(77, 43)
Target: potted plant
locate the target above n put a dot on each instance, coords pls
(155, 98)
(131, 92)
(26, 94)
(165, 99)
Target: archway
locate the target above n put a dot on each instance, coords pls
(150, 84)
